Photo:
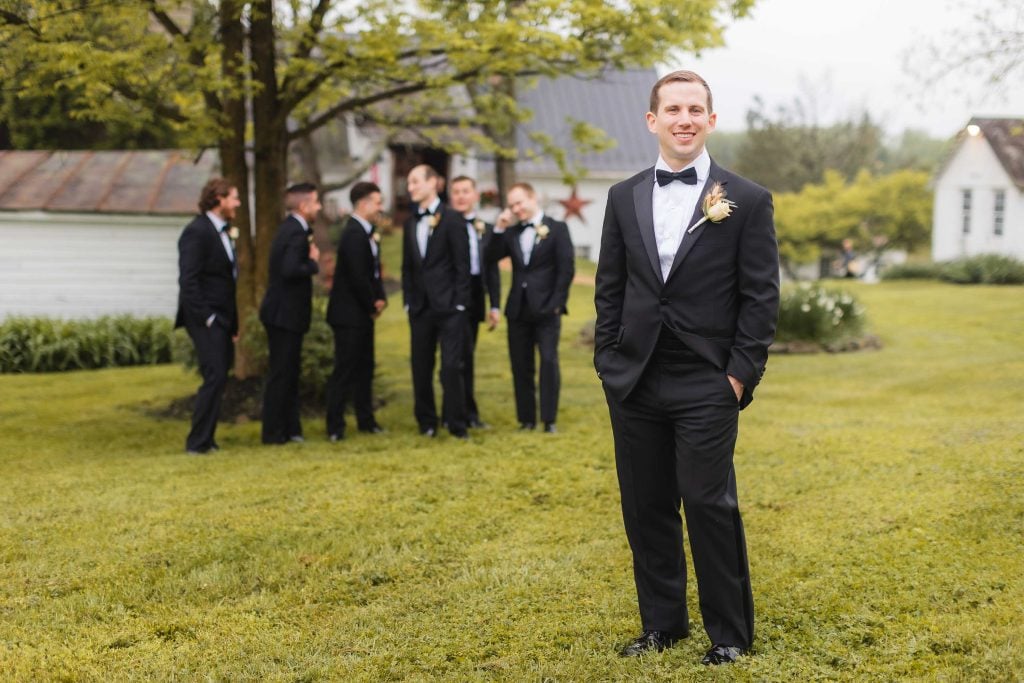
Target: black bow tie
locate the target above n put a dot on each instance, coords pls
(524, 226)
(687, 175)
(420, 213)
(225, 227)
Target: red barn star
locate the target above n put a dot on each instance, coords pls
(574, 206)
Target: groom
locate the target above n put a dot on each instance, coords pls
(686, 310)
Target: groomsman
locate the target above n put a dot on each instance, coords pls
(357, 300)
(206, 303)
(285, 312)
(542, 269)
(436, 291)
(485, 283)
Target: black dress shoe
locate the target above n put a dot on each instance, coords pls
(527, 426)
(428, 431)
(478, 424)
(722, 654)
(372, 429)
(461, 435)
(335, 438)
(550, 428)
(296, 438)
(196, 451)
(650, 642)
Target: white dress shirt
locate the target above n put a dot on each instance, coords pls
(302, 221)
(673, 207)
(423, 227)
(474, 245)
(529, 237)
(219, 224)
(369, 229)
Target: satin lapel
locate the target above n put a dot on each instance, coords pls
(517, 247)
(410, 231)
(643, 204)
(690, 238)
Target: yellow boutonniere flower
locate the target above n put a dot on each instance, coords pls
(434, 220)
(233, 233)
(716, 207)
(479, 226)
(543, 231)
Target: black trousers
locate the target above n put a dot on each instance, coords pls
(281, 392)
(674, 441)
(352, 378)
(468, 368)
(215, 351)
(526, 334)
(428, 331)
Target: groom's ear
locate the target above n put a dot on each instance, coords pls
(651, 121)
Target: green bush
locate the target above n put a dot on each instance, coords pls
(47, 345)
(814, 313)
(912, 271)
(989, 269)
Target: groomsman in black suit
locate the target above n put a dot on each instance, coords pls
(357, 300)
(687, 296)
(206, 303)
(436, 290)
(485, 283)
(285, 312)
(543, 264)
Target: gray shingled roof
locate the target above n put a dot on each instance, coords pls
(616, 103)
(1006, 136)
(164, 182)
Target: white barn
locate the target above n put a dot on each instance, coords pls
(86, 234)
(979, 192)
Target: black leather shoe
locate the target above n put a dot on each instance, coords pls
(550, 428)
(527, 426)
(335, 438)
(650, 642)
(461, 435)
(194, 451)
(478, 424)
(372, 429)
(722, 654)
(429, 431)
(297, 438)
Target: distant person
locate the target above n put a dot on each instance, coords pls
(206, 303)
(687, 296)
(485, 284)
(436, 291)
(357, 299)
(543, 265)
(849, 265)
(286, 311)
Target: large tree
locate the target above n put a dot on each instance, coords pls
(248, 78)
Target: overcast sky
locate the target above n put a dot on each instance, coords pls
(852, 54)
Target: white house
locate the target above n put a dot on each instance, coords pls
(979, 192)
(84, 234)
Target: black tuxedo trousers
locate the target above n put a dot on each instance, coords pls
(674, 440)
(430, 329)
(215, 351)
(281, 393)
(352, 378)
(530, 336)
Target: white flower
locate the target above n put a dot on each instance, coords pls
(806, 308)
(543, 231)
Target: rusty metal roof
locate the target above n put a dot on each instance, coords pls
(142, 182)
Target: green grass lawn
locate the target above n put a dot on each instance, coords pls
(883, 495)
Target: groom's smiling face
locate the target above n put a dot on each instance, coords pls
(682, 122)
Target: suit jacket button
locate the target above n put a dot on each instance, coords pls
(664, 302)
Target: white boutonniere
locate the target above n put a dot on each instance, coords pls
(375, 236)
(232, 234)
(434, 220)
(542, 232)
(479, 226)
(716, 207)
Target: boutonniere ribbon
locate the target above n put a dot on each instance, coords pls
(716, 207)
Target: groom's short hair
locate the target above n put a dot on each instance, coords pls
(681, 76)
(525, 187)
(213, 191)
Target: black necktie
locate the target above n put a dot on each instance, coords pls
(687, 175)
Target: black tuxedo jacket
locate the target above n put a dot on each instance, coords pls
(489, 275)
(542, 286)
(439, 281)
(357, 282)
(206, 278)
(288, 300)
(721, 296)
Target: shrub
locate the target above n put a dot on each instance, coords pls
(990, 269)
(814, 313)
(47, 345)
(912, 271)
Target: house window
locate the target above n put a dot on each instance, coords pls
(966, 210)
(999, 212)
